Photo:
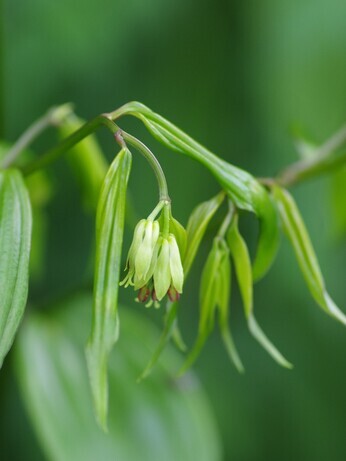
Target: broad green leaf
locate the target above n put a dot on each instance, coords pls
(241, 187)
(242, 264)
(40, 191)
(109, 238)
(86, 160)
(158, 419)
(196, 227)
(297, 234)
(15, 239)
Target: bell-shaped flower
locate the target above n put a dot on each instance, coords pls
(168, 273)
(140, 256)
(154, 264)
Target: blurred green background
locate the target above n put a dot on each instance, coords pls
(236, 76)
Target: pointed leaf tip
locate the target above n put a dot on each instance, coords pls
(296, 231)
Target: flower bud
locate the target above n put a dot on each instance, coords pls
(154, 264)
(142, 254)
(168, 273)
(146, 249)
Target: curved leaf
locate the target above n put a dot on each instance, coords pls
(297, 233)
(241, 187)
(196, 227)
(223, 305)
(242, 263)
(214, 294)
(269, 238)
(109, 238)
(15, 238)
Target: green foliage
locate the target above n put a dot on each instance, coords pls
(196, 227)
(168, 419)
(15, 239)
(297, 233)
(214, 294)
(86, 161)
(243, 271)
(235, 77)
(241, 187)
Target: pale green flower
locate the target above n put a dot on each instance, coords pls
(154, 264)
(141, 252)
(168, 272)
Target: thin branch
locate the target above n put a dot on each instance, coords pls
(322, 161)
(67, 143)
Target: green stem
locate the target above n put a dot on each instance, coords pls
(156, 210)
(88, 128)
(322, 161)
(152, 160)
(67, 143)
(166, 219)
(53, 117)
(227, 221)
(173, 134)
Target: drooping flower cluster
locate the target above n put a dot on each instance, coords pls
(154, 264)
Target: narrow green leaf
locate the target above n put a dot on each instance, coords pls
(214, 293)
(86, 160)
(239, 184)
(260, 336)
(223, 305)
(269, 237)
(209, 287)
(15, 239)
(196, 227)
(195, 351)
(109, 238)
(297, 234)
(242, 263)
(180, 234)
